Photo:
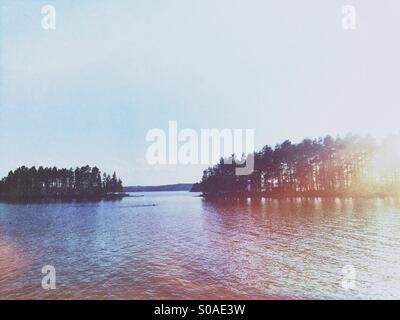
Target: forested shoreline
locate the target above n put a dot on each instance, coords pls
(350, 166)
(25, 184)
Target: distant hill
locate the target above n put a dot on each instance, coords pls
(167, 187)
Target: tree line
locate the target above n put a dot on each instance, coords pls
(25, 183)
(354, 165)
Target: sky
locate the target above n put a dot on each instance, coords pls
(89, 91)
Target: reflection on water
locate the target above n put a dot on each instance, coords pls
(176, 245)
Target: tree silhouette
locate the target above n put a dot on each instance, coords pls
(319, 167)
(30, 183)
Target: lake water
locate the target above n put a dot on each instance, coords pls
(175, 245)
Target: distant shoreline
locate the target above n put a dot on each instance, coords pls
(166, 187)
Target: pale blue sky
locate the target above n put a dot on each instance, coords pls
(88, 92)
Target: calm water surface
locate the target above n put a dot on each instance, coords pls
(175, 245)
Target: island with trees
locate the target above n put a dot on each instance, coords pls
(324, 167)
(31, 184)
